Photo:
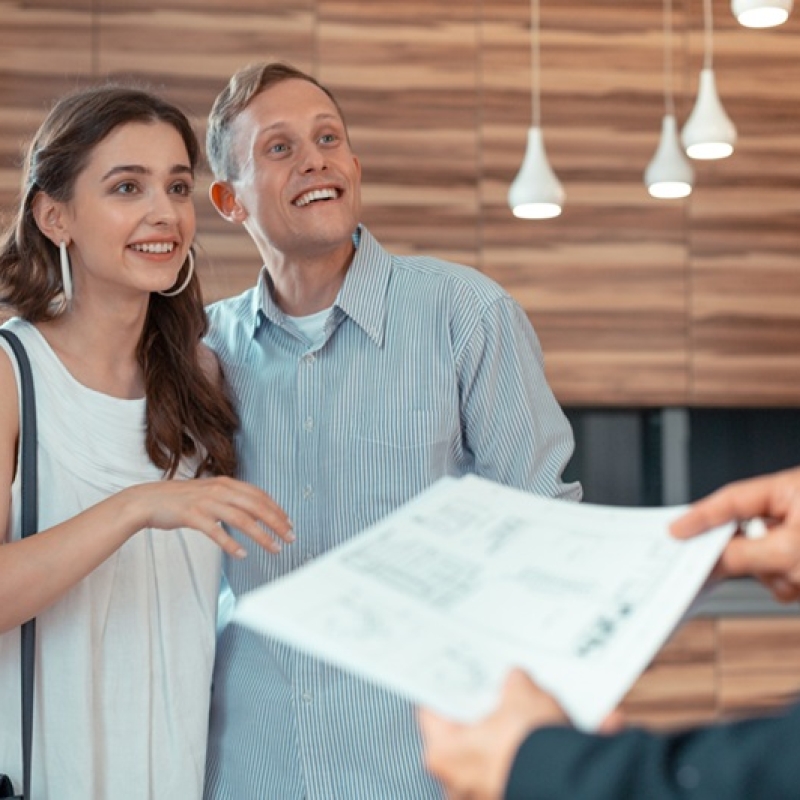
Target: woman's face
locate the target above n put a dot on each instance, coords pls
(131, 219)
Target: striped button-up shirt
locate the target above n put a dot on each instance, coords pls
(426, 369)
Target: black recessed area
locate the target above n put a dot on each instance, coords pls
(669, 456)
(672, 456)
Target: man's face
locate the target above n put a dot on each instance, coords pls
(299, 183)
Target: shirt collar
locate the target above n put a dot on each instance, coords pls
(362, 296)
(264, 307)
(363, 293)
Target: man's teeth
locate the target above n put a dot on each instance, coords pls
(317, 194)
(154, 247)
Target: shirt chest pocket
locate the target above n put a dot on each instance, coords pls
(404, 429)
(397, 453)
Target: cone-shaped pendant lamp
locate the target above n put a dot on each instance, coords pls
(536, 192)
(761, 13)
(669, 174)
(709, 132)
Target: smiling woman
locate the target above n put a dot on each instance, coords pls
(130, 220)
(134, 453)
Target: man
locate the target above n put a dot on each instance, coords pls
(360, 378)
(525, 749)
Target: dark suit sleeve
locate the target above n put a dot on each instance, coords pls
(756, 758)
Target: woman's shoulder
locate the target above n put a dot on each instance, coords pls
(9, 429)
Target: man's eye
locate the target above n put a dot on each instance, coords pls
(183, 189)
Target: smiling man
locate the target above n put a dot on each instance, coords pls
(360, 378)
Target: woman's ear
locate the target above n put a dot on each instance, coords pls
(223, 196)
(50, 218)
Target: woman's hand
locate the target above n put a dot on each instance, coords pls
(206, 504)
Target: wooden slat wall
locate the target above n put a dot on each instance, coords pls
(636, 301)
(719, 668)
(744, 239)
(406, 75)
(605, 283)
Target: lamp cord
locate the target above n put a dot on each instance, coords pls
(535, 87)
(709, 37)
(669, 101)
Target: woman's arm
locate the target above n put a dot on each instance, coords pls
(40, 569)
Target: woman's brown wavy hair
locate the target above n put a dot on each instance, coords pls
(189, 416)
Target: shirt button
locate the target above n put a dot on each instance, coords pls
(307, 697)
(309, 359)
(309, 424)
(308, 493)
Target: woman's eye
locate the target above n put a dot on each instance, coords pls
(126, 187)
(328, 138)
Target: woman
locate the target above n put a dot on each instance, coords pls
(124, 574)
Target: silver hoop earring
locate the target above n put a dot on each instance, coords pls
(174, 292)
(66, 271)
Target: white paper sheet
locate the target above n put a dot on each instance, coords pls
(441, 598)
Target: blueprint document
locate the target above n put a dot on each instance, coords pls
(441, 598)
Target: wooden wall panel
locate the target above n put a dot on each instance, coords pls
(604, 283)
(43, 52)
(637, 302)
(716, 668)
(679, 687)
(406, 75)
(745, 225)
(759, 663)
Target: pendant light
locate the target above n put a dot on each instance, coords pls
(709, 132)
(761, 13)
(536, 192)
(669, 174)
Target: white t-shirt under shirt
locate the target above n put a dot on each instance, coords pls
(312, 327)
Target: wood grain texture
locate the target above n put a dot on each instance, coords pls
(679, 687)
(759, 663)
(637, 302)
(407, 77)
(719, 668)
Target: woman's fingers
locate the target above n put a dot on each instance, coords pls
(221, 537)
(249, 510)
(210, 504)
(252, 526)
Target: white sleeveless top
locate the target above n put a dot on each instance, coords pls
(124, 660)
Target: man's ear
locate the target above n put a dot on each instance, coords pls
(50, 217)
(223, 197)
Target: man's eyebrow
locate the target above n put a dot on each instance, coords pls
(324, 116)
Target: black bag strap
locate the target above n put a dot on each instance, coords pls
(30, 525)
